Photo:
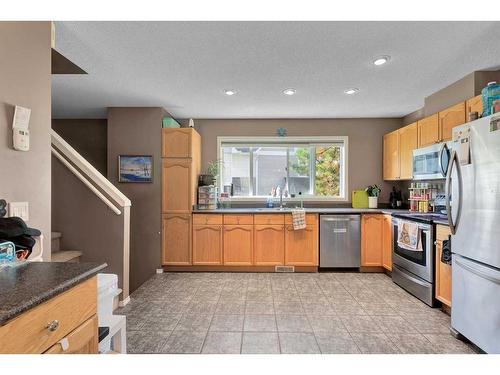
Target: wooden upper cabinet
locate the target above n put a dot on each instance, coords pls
(387, 242)
(391, 156)
(176, 241)
(301, 246)
(449, 118)
(269, 244)
(474, 104)
(408, 141)
(371, 239)
(180, 143)
(207, 244)
(428, 131)
(179, 193)
(443, 271)
(238, 245)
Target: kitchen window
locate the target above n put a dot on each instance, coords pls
(315, 167)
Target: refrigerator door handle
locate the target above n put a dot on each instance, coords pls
(453, 225)
(441, 167)
(479, 270)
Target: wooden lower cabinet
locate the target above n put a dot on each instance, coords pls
(301, 246)
(371, 240)
(176, 241)
(387, 243)
(238, 245)
(269, 245)
(83, 340)
(443, 271)
(207, 244)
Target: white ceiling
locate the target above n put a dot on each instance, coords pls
(184, 66)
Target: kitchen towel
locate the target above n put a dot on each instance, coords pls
(299, 219)
(409, 235)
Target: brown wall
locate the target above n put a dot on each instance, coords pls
(87, 136)
(137, 131)
(365, 141)
(25, 75)
(86, 223)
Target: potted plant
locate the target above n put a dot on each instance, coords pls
(213, 170)
(373, 194)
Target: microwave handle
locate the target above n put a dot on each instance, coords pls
(440, 159)
(453, 161)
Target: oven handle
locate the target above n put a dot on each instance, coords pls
(453, 161)
(410, 277)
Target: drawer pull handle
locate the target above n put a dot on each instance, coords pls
(53, 325)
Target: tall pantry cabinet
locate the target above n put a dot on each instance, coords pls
(181, 163)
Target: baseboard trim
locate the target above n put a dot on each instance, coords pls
(234, 269)
(124, 302)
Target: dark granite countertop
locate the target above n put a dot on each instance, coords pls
(26, 286)
(317, 210)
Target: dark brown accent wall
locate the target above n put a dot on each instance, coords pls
(365, 141)
(25, 81)
(137, 131)
(87, 136)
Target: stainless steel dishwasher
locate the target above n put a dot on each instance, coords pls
(340, 241)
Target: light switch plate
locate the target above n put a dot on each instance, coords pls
(19, 209)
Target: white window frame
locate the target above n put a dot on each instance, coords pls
(318, 140)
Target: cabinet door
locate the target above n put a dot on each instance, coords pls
(371, 240)
(207, 244)
(443, 277)
(176, 186)
(301, 246)
(449, 118)
(391, 156)
(238, 245)
(387, 243)
(269, 245)
(428, 130)
(474, 104)
(83, 340)
(408, 141)
(176, 143)
(176, 241)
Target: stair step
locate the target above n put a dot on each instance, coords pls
(54, 235)
(66, 256)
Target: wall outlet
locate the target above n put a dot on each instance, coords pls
(159, 270)
(19, 209)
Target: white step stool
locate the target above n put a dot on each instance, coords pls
(107, 290)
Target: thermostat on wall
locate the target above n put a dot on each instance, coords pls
(20, 124)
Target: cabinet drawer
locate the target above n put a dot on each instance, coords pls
(206, 219)
(238, 219)
(82, 340)
(269, 219)
(28, 333)
(311, 219)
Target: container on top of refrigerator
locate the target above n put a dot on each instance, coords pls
(489, 94)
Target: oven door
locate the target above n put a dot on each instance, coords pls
(420, 263)
(431, 162)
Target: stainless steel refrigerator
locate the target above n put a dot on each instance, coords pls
(474, 184)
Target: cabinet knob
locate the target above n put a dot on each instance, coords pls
(53, 325)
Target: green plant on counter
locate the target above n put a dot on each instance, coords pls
(373, 190)
(213, 168)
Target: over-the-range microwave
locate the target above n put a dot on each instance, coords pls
(431, 162)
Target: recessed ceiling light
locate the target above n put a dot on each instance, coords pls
(229, 92)
(381, 60)
(289, 91)
(351, 91)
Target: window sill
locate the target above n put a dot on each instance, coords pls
(304, 199)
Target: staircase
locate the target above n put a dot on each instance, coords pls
(58, 255)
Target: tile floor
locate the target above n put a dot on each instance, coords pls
(283, 313)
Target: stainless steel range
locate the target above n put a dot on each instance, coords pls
(414, 270)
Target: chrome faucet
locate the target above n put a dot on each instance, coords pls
(282, 206)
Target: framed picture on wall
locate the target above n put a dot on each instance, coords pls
(135, 168)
